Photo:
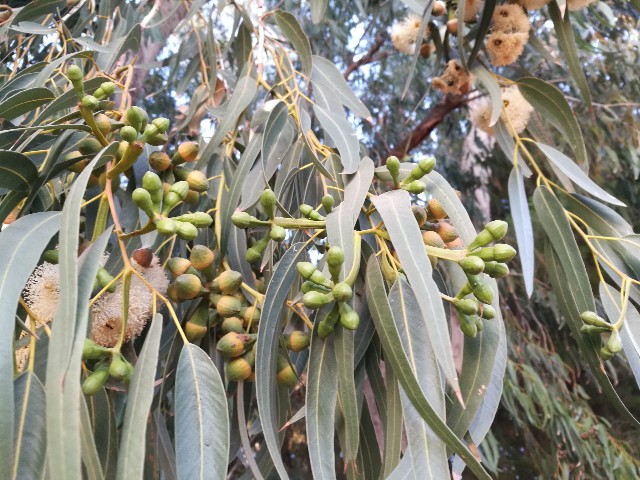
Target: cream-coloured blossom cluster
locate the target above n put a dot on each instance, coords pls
(516, 111)
(455, 79)
(42, 294)
(471, 9)
(509, 34)
(404, 34)
(533, 4)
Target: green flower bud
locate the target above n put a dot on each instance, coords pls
(166, 226)
(104, 123)
(268, 201)
(319, 278)
(614, 344)
(105, 90)
(159, 161)
(142, 199)
(229, 282)
(202, 257)
(416, 187)
(287, 376)
(349, 318)
(447, 232)
(297, 341)
(314, 300)
(496, 270)
(89, 102)
(162, 124)
(198, 324)
(342, 292)
(178, 266)
(253, 255)
(79, 164)
(472, 265)
(228, 306)
(309, 286)
(605, 353)
(325, 329)
(305, 269)
(592, 318)
(187, 152)
(119, 368)
(188, 286)
(76, 77)
(197, 181)
(151, 182)
(89, 146)
(277, 233)
(250, 316)
(180, 188)
(478, 321)
(498, 229)
(233, 344)
(393, 166)
(92, 351)
(186, 231)
(238, 370)
(327, 203)
(488, 312)
(104, 278)
(482, 239)
(335, 257)
(308, 212)
(137, 118)
(94, 382)
(426, 165)
(466, 306)
(432, 239)
(436, 211)
(590, 329)
(503, 252)
(420, 214)
(243, 219)
(484, 293)
(199, 219)
(468, 326)
(232, 324)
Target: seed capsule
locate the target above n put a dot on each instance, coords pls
(432, 239)
(297, 341)
(94, 382)
(436, 212)
(420, 214)
(232, 324)
(232, 344)
(447, 232)
(201, 257)
(287, 376)
(188, 286)
(237, 370)
(228, 306)
(159, 161)
(229, 282)
(250, 316)
(187, 152)
(178, 266)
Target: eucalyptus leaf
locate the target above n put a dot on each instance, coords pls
(25, 101)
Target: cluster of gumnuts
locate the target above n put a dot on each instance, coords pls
(594, 324)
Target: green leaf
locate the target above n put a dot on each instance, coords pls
(32, 28)
(571, 285)
(393, 427)
(38, 8)
(394, 354)
(129, 42)
(318, 9)
(567, 43)
(90, 457)
(344, 136)
(291, 29)
(426, 15)
(21, 244)
(551, 105)
(320, 400)
(326, 75)
(519, 204)
(68, 332)
(483, 28)
(202, 417)
(395, 209)
(30, 438)
(356, 189)
(489, 82)
(269, 329)
(105, 435)
(576, 174)
(508, 146)
(134, 429)
(369, 451)
(428, 452)
(24, 102)
(17, 172)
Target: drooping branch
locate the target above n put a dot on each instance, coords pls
(421, 131)
(367, 58)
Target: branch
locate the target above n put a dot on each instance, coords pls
(421, 131)
(366, 58)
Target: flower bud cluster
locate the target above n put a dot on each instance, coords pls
(596, 325)
(105, 363)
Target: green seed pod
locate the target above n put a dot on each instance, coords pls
(162, 124)
(335, 257)
(253, 255)
(89, 102)
(447, 232)
(488, 312)
(466, 306)
(178, 266)
(180, 188)
(614, 344)
(484, 293)
(342, 292)
(238, 370)
(137, 118)
(498, 229)
(105, 90)
(478, 322)
(305, 269)
(393, 166)
(232, 324)
(198, 324)
(151, 182)
(197, 181)
(199, 219)
(416, 187)
(435, 210)
(287, 376)
(201, 257)
(590, 329)
(80, 164)
(426, 165)
(166, 226)
(309, 286)
(250, 316)
(159, 161)
(92, 351)
(103, 122)
(468, 326)
(605, 353)
(119, 367)
(432, 239)
(327, 203)
(229, 282)
(325, 329)
(496, 270)
(94, 382)
(188, 286)
(592, 318)
(142, 199)
(314, 300)
(104, 279)
(277, 233)
(171, 199)
(243, 219)
(420, 214)
(228, 306)
(89, 146)
(472, 265)
(319, 278)
(297, 341)
(307, 211)
(503, 252)
(349, 318)
(232, 344)
(76, 77)
(268, 201)
(186, 231)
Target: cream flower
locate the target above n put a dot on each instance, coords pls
(404, 34)
(471, 9)
(454, 79)
(42, 291)
(516, 111)
(533, 4)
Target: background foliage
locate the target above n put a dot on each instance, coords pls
(271, 81)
